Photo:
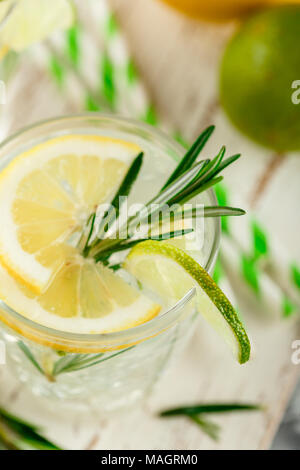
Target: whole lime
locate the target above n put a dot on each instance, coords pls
(259, 77)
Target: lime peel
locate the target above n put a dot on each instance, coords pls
(211, 301)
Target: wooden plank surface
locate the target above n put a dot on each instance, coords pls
(178, 59)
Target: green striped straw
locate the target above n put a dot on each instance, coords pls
(260, 261)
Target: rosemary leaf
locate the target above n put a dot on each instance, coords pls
(87, 233)
(168, 194)
(128, 181)
(124, 190)
(190, 157)
(115, 267)
(221, 211)
(129, 243)
(213, 168)
(196, 212)
(30, 356)
(202, 182)
(209, 428)
(210, 408)
(19, 435)
(92, 360)
(192, 192)
(74, 362)
(67, 361)
(187, 181)
(227, 162)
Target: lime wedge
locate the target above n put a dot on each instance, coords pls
(170, 272)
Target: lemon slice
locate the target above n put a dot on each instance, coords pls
(29, 21)
(171, 273)
(47, 193)
(84, 298)
(46, 196)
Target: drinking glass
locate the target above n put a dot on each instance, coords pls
(116, 368)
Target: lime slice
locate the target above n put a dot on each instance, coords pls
(170, 272)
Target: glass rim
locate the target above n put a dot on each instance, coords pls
(84, 341)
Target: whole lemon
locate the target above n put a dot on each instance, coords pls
(221, 10)
(260, 78)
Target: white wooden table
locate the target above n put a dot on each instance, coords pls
(178, 59)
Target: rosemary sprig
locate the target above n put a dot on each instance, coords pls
(30, 356)
(190, 157)
(196, 414)
(202, 211)
(122, 245)
(115, 205)
(76, 362)
(16, 434)
(69, 362)
(188, 180)
(210, 408)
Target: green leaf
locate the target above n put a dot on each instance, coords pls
(190, 193)
(217, 211)
(127, 183)
(260, 240)
(250, 272)
(129, 243)
(190, 157)
(123, 191)
(73, 362)
(30, 356)
(196, 212)
(295, 275)
(226, 163)
(84, 361)
(86, 234)
(170, 235)
(213, 168)
(168, 194)
(18, 434)
(195, 414)
(210, 408)
(209, 428)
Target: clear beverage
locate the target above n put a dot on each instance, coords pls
(117, 368)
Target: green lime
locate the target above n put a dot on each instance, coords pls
(260, 66)
(171, 273)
